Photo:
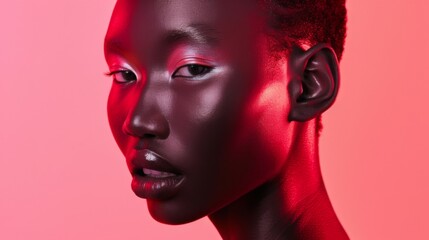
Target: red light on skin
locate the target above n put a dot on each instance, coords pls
(233, 124)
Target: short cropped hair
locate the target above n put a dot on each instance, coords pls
(307, 22)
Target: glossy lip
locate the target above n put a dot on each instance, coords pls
(158, 188)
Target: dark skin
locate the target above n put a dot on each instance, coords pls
(211, 124)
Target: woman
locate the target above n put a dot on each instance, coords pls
(216, 107)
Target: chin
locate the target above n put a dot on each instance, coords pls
(169, 213)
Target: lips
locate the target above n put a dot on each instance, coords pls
(153, 176)
(157, 174)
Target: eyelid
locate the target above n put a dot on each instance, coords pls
(120, 67)
(113, 72)
(194, 60)
(184, 62)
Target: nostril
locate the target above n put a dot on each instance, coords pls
(148, 132)
(148, 135)
(153, 125)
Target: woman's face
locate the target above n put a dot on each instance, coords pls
(197, 106)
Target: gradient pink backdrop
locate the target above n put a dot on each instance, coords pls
(62, 176)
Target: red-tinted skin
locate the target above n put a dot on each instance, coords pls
(223, 129)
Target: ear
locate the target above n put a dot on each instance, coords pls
(314, 81)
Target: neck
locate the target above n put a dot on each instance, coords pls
(294, 205)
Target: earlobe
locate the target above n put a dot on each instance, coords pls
(314, 81)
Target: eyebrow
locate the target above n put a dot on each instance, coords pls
(197, 33)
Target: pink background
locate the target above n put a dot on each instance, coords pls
(62, 176)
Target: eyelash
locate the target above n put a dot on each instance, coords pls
(201, 71)
(124, 71)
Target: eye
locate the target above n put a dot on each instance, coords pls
(192, 71)
(123, 76)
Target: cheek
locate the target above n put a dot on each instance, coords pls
(271, 109)
(266, 130)
(201, 119)
(249, 143)
(260, 146)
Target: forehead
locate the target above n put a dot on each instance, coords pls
(172, 12)
(137, 22)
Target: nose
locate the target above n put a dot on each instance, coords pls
(146, 120)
